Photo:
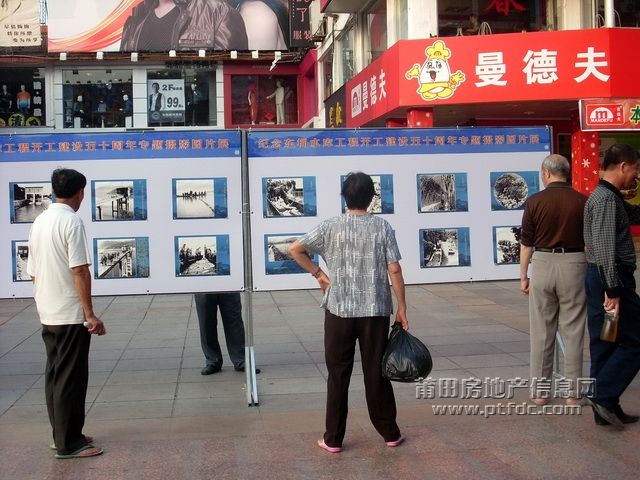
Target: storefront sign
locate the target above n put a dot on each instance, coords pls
(20, 23)
(537, 66)
(334, 109)
(300, 26)
(610, 114)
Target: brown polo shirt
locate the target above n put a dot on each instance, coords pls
(554, 218)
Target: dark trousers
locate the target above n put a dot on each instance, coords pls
(230, 307)
(65, 383)
(613, 365)
(340, 335)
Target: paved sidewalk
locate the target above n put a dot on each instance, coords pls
(158, 418)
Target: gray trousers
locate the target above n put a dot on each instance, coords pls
(557, 303)
(207, 305)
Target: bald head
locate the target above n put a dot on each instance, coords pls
(557, 167)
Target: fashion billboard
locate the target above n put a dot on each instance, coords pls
(160, 26)
(20, 23)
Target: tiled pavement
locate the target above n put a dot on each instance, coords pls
(157, 417)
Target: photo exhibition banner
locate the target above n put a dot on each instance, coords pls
(162, 211)
(453, 196)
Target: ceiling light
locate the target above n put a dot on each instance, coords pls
(202, 53)
(254, 54)
(134, 56)
(172, 53)
(234, 54)
(99, 55)
(63, 56)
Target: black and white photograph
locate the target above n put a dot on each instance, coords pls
(382, 201)
(119, 200)
(121, 257)
(20, 252)
(278, 261)
(284, 197)
(197, 256)
(442, 192)
(195, 198)
(511, 189)
(446, 247)
(506, 241)
(28, 200)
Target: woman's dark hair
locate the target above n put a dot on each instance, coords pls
(619, 153)
(358, 190)
(66, 182)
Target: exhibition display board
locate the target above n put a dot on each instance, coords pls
(453, 196)
(162, 211)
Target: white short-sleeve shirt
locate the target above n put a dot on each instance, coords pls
(57, 243)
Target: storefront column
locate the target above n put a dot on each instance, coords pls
(420, 118)
(584, 160)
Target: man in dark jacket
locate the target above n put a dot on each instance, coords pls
(160, 25)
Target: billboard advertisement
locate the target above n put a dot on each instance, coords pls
(150, 26)
(20, 23)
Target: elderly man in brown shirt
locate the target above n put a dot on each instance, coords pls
(552, 242)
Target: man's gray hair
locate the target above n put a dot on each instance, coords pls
(557, 165)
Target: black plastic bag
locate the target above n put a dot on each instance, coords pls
(406, 358)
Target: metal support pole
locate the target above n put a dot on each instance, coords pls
(247, 294)
(609, 15)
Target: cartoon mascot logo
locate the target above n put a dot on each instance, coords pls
(434, 76)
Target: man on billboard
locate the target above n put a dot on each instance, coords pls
(160, 25)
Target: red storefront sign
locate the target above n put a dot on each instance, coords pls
(530, 66)
(610, 114)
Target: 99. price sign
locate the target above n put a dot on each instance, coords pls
(166, 101)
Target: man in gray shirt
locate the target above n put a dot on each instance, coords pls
(361, 253)
(610, 284)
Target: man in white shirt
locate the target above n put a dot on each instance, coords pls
(59, 268)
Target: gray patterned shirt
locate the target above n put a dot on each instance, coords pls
(607, 235)
(357, 250)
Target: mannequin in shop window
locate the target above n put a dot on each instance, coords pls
(279, 94)
(6, 100)
(78, 112)
(194, 103)
(23, 100)
(253, 103)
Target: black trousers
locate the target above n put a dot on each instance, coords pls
(613, 365)
(340, 335)
(65, 383)
(207, 305)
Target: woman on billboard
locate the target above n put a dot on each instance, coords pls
(161, 25)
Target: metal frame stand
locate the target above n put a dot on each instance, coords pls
(247, 294)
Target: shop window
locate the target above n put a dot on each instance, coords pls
(100, 98)
(465, 17)
(22, 101)
(346, 44)
(626, 13)
(264, 100)
(376, 19)
(327, 73)
(179, 97)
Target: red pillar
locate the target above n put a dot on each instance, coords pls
(585, 162)
(420, 118)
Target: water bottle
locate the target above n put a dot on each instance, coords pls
(609, 332)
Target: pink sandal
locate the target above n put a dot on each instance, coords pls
(395, 443)
(329, 449)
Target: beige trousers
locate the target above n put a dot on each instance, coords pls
(557, 303)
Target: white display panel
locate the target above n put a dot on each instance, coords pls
(467, 165)
(148, 197)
